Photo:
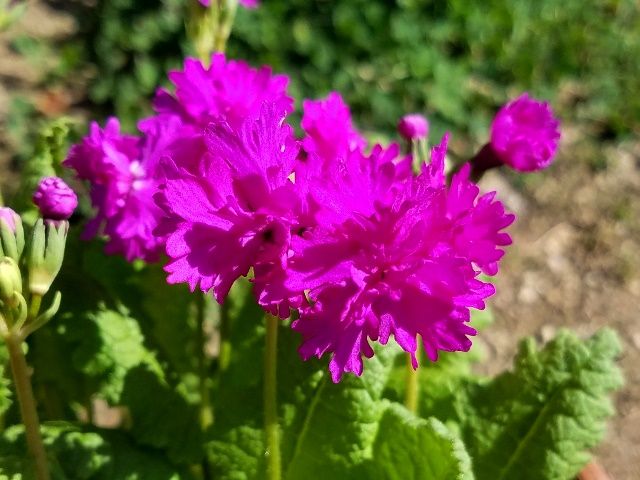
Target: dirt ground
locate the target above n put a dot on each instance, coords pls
(575, 262)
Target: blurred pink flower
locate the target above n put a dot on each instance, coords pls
(121, 170)
(525, 134)
(413, 127)
(10, 217)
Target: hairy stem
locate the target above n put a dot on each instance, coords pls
(412, 389)
(206, 412)
(271, 426)
(27, 403)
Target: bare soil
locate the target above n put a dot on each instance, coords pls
(575, 259)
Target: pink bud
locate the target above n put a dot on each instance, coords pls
(413, 126)
(55, 199)
(10, 217)
(525, 134)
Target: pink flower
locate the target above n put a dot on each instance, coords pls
(9, 217)
(228, 89)
(205, 3)
(525, 134)
(413, 127)
(55, 199)
(392, 255)
(234, 208)
(121, 170)
(328, 127)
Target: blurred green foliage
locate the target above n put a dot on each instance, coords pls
(457, 61)
(130, 45)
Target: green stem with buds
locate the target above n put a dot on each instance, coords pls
(271, 426)
(27, 403)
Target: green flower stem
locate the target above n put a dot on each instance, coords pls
(225, 23)
(224, 356)
(208, 28)
(27, 403)
(271, 426)
(412, 389)
(206, 412)
(34, 307)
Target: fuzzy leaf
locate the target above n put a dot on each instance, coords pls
(326, 429)
(540, 420)
(408, 447)
(440, 381)
(77, 454)
(109, 345)
(161, 415)
(340, 423)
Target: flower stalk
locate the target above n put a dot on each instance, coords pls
(27, 403)
(412, 389)
(209, 27)
(206, 412)
(271, 426)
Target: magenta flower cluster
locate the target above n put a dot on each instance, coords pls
(342, 231)
(525, 134)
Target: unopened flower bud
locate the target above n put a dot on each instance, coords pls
(46, 254)
(525, 134)
(413, 127)
(11, 234)
(55, 199)
(10, 279)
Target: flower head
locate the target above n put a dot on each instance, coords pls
(55, 199)
(413, 127)
(232, 209)
(328, 128)
(392, 255)
(121, 170)
(228, 89)
(525, 134)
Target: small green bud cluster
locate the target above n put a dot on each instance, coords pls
(38, 262)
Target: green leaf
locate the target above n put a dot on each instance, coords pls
(77, 453)
(109, 345)
(326, 429)
(161, 416)
(408, 447)
(340, 423)
(440, 381)
(540, 420)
